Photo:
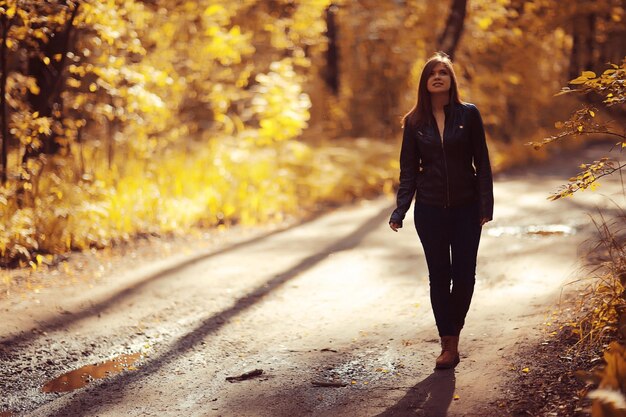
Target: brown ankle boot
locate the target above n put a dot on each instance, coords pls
(449, 357)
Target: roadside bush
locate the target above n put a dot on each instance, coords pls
(606, 301)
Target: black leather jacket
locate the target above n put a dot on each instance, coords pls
(449, 173)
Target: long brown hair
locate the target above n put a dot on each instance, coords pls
(420, 114)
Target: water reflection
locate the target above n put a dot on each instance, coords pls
(80, 377)
(543, 230)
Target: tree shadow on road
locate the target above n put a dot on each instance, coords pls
(429, 398)
(88, 399)
(58, 322)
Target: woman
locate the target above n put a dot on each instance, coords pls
(444, 159)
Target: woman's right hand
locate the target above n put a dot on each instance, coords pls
(394, 226)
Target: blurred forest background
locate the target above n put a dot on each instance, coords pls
(127, 117)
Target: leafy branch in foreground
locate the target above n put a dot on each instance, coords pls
(606, 301)
(611, 86)
(588, 177)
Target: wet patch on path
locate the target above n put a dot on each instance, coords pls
(79, 378)
(532, 231)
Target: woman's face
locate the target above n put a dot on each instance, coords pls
(439, 80)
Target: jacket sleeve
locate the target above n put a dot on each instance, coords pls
(409, 167)
(482, 165)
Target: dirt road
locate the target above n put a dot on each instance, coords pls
(339, 299)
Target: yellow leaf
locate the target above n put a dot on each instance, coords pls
(485, 22)
(580, 128)
(592, 113)
(93, 87)
(526, 370)
(589, 74)
(34, 90)
(213, 9)
(39, 259)
(46, 60)
(73, 82)
(11, 11)
(456, 397)
(57, 57)
(39, 34)
(515, 79)
(579, 80)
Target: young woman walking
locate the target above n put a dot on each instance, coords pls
(444, 163)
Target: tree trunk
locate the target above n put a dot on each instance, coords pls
(79, 139)
(583, 54)
(6, 24)
(591, 42)
(112, 131)
(449, 39)
(576, 50)
(50, 80)
(331, 73)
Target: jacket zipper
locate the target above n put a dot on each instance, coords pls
(445, 164)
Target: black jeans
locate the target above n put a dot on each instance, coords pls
(450, 238)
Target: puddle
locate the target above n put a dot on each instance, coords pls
(83, 376)
(545, 230)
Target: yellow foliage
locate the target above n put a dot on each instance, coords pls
(280, 104)
(610, 397)
(197, 105)
(226, 182)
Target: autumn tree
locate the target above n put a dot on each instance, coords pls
(114, 111)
